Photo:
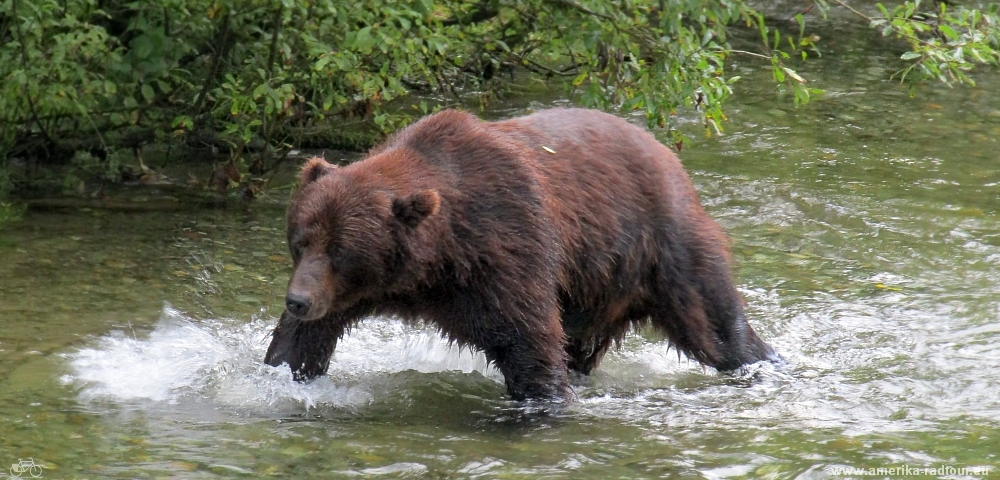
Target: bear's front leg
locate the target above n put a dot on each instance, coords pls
(305, 345)
(531, 356)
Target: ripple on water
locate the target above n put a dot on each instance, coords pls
(863, 370)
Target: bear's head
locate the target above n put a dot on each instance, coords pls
(348, 232)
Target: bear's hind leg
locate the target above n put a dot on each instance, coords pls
(704, 319)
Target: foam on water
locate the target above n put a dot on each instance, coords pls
(222, 361)
(183, 360)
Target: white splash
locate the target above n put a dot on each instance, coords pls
(172, 359)
(218, 363)
(222, 361)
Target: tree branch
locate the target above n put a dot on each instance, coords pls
(752, 54)
(542, 69)
(274, 41)
(216, 64)
(842, 4)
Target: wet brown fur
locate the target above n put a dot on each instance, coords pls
(541, 260)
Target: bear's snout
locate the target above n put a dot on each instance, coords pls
(311, 290)
(297, 305)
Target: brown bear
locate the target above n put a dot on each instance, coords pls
(539, 240)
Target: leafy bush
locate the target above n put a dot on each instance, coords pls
(100, 75)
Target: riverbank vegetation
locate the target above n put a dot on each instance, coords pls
(91, 83)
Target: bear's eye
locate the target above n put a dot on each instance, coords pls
(297, 248)
(335, 251)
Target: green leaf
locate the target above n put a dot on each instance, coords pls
(260, 91)
(148, 93)
(948, 31)
(363, 40)
(183, 121)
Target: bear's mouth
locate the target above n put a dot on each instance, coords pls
(305, 307)
(313, 308)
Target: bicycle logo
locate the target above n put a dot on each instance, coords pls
(26, 466)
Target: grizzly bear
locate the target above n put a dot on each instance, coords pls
(539, 240)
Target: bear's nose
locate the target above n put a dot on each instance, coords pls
(297, 305)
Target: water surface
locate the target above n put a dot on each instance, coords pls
(866, 227)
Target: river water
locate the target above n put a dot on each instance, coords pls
(865, 226)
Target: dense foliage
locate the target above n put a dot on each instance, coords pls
(107, 75)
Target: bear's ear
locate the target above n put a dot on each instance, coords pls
(414, 208)
(313, 170)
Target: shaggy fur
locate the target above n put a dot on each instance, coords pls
(540, 240)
